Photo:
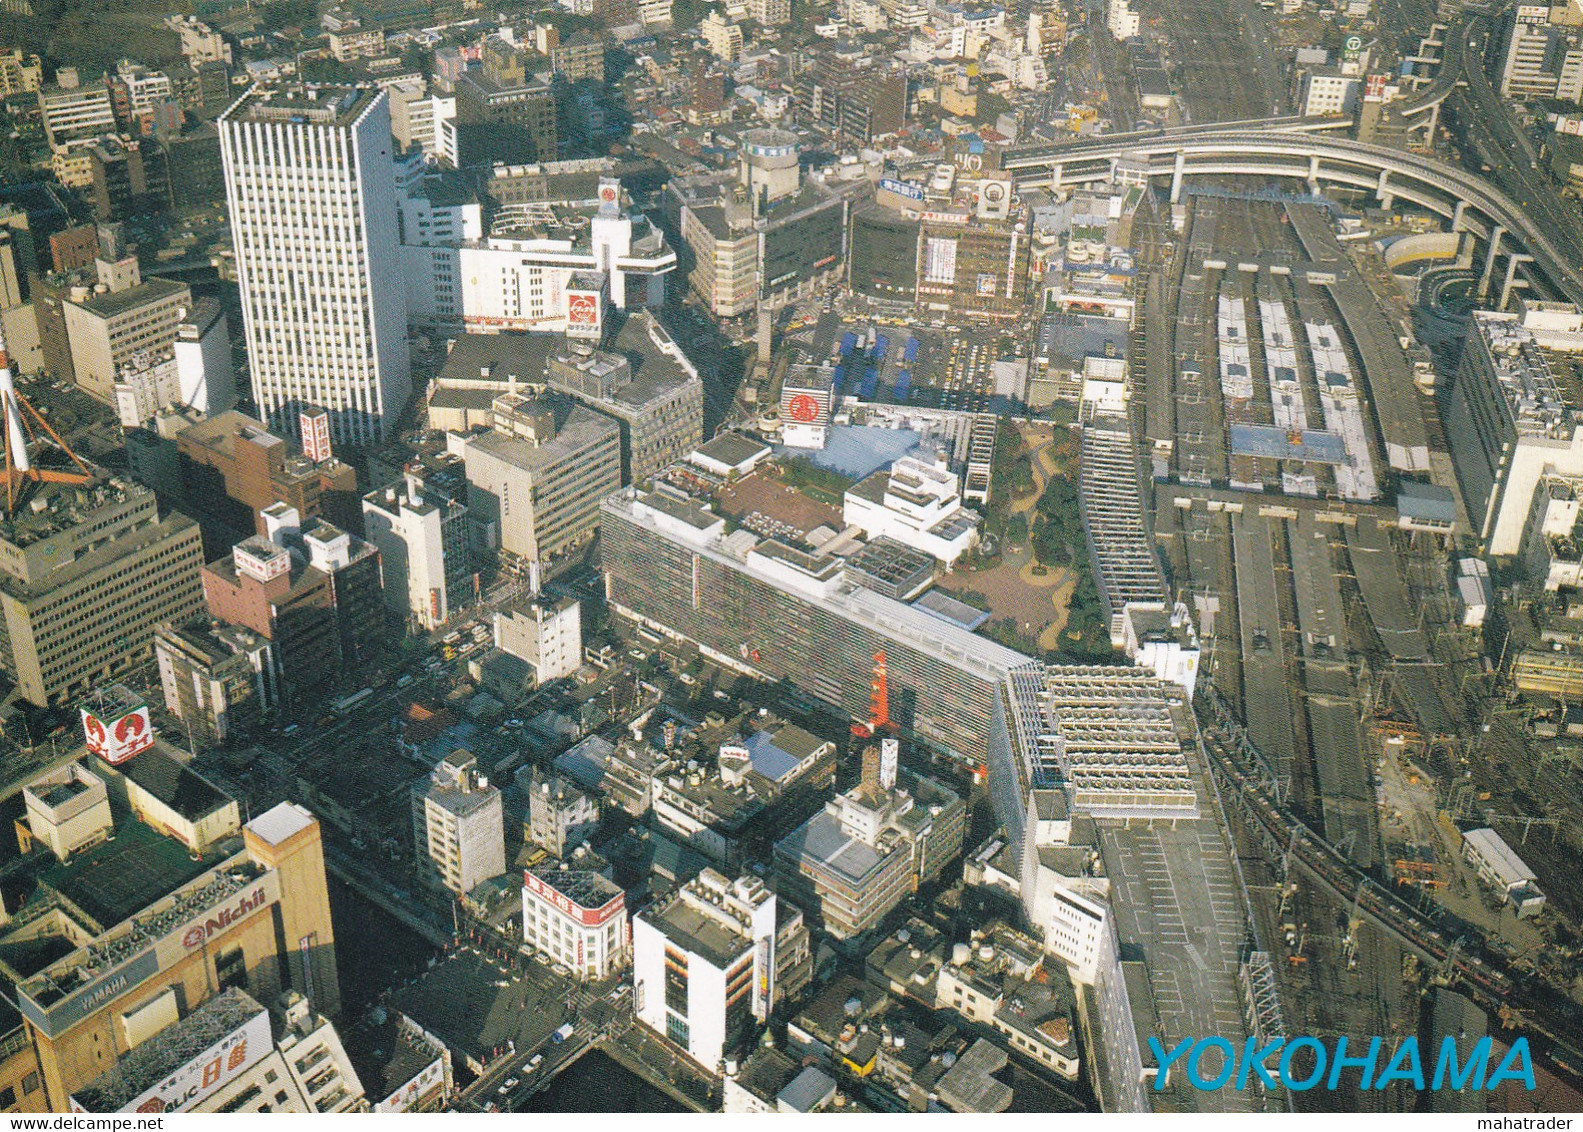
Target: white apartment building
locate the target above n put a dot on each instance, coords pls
(412, 533)
(200, 43)
(1328, 93)
(312, 198)
(1122, 21)
(73, 111)
(412, 117)
(548, 634)
(703, 965)
(110, 329)
(145, 89)
(205, 375)
(915, 503)
(458, 825)
(1072, 910)
(577, 918)
(68, 809)
(770, 13)
(1544, 53)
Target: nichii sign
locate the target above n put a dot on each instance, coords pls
(233, 913)
(1301, 1064)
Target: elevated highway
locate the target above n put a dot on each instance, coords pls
(1318, 157)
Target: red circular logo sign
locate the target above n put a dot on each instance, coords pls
(582, 310)
(608, 194)
(129, 727)
(95, 732)
(802, 408)
(193, 937)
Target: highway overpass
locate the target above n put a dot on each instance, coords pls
(1318, 157)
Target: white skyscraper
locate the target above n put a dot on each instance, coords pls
(311, 189)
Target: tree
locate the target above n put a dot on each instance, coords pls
(289, 13)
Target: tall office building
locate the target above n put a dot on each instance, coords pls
(458, 825)
(704, 963)
(86, 573)
(311, 190)
(538, 475)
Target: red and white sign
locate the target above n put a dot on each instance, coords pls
(205, 1074)
(803, 409)
(582, 313)
(588, 917)
(315, 428)
(117, 739)
(200, 933)
(415, 1091)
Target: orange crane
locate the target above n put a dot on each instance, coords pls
(19, 468)
(878, 702)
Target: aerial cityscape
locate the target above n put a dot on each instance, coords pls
(791, 556)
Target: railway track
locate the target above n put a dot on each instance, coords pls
(1453, 948)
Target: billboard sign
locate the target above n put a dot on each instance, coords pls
(764, 976)
(582, 313)
(902, 189)
(223, 919)
(65, 1013)
(205, 1074)
(314, 425)
(116, 736)
(429, 1078)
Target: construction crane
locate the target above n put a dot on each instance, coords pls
(19, 467)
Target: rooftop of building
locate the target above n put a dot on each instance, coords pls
(736, 547)
(578, 430)
(821, 842)
(302, 577)
(585, 888)
(110, 304)
(715, 933)
(531, 83)
(117, 879)
(725, 808)
(48, 509)
(146, 1065)
(222, 431)
(658, 364)
(469, 1004)
(732, 448)
(160, 773)
(302, 105)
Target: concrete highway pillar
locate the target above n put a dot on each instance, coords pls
(1176, 177)
(1512, 282)
(1457, 215)
(1313, 174)
(1489, 261)
(1434, 123)
(1382, 192)
(1055, 177)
